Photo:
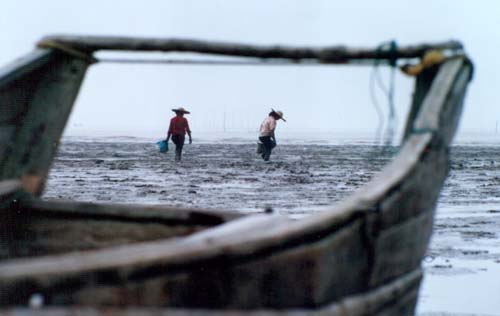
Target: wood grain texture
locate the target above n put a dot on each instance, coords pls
(334, 54)
(8, 187)
(423, 83)
(399, 249)
(126, 212)
(394, 298)
(40, 99)
(40, 228)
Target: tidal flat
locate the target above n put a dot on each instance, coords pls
(462, 266)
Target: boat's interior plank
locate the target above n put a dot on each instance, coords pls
(419, 192)
(429, 116)
(319, 255)
(183, 251)
(35, 227)
(13, 100)
(6, 134)
(24, 66)
(398, 297)
(438, 97)
(45, 113)
(307, 275)
(399, 249)
(8, 187)
(450, 115)
(34, 237)
(125, 212)
(382, 298)
(422, 85)
(402, 305)
(302, 276)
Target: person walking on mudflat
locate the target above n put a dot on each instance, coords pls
(178, 128)
(266, 136)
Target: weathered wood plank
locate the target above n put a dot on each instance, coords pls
(419, 193)
(131, 259)
(452, 108)
(422, 85)
(315, 266)
(401, 306)
(307, 275)
(397, 297)
(52, 81)
(399, 249)
(430, 117)
(38, 227)
(23, 66)
(335, 54)
(33, 237)
(126, 212)
(7, 187)
(6, 134)
(304, 276)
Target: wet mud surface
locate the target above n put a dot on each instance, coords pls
(301, 180)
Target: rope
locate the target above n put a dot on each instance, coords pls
(378, 108)
(67, 49)
(376, 80)
(392, 124)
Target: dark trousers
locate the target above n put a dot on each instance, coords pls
(179, 143)
(269, 144)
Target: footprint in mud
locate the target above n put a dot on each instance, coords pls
(121, 166)
(474, 252)
(447, 269)
(478, 234)
(143, 185)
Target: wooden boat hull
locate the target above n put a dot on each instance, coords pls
(360, 258)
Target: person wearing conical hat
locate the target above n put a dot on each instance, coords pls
(178, 128)
(266, 133)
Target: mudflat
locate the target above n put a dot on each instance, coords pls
(462, 267)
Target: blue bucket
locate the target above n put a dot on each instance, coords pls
(163, 145)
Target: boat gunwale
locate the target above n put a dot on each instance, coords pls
(125, 212)
(26, 64)
(84, 46)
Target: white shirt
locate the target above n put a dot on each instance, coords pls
(267, 127)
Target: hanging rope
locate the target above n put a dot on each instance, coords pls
(387, 137)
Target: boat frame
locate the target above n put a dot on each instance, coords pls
(360, 257)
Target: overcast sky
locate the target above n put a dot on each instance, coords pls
(136, 99)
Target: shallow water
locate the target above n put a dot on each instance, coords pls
(462, 269)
